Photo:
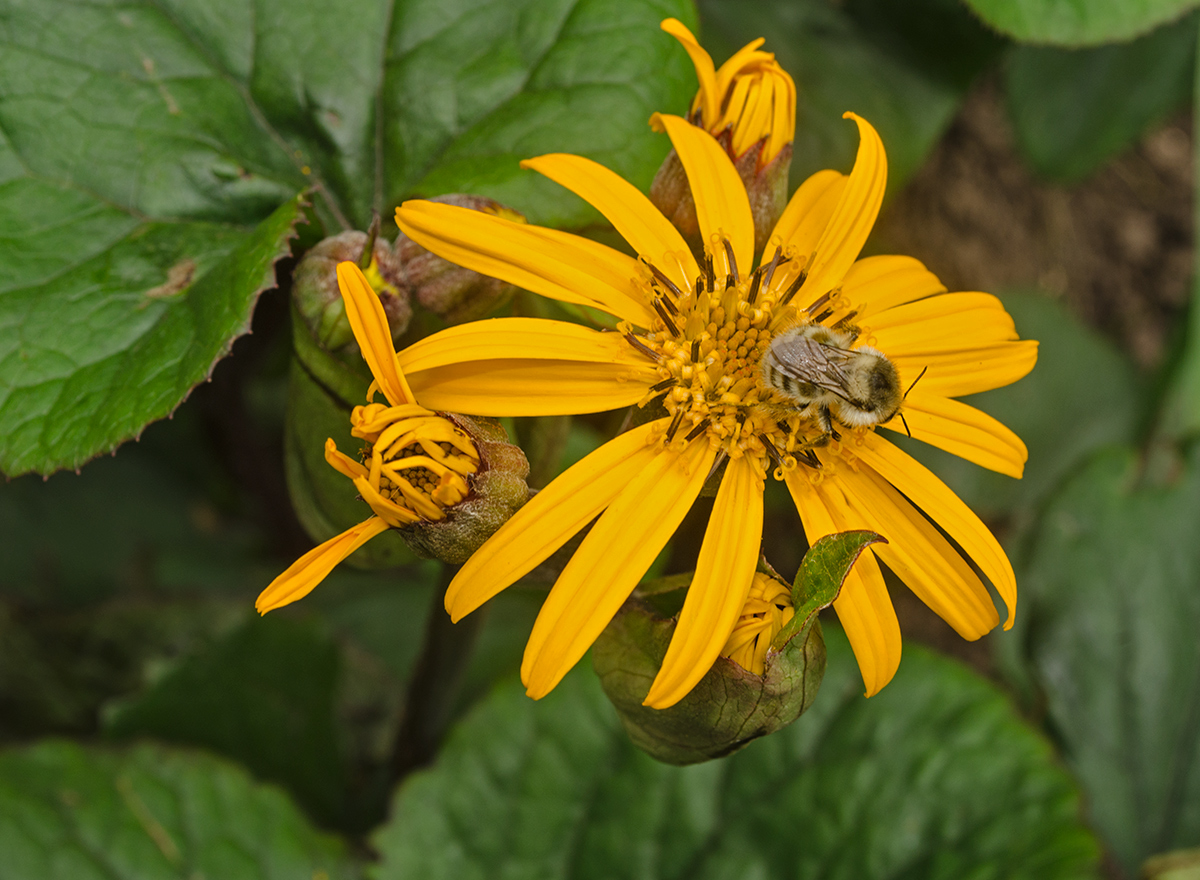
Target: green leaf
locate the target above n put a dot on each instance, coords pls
(1075, 23)
(936, 777)
(140, 145)
(111, 321)
(263, 695)
(838, 67)
(820, 578)
(1082, 395)
(1110, 612)
(1073, 109)
(473, 88)
(149, 813)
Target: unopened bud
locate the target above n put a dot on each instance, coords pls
(749, 106)
(319, 302)
(732, 704)
(455, 294)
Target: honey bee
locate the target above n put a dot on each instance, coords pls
(815, 368)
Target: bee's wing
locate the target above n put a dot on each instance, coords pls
(816, 363)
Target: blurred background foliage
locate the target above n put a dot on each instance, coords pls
(163, 164)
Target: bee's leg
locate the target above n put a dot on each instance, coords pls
(810, 458)
(825, 421)
(851, 330)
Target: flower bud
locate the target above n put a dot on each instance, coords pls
(444, 482)
(496, 490)
(319, 302)
(455, 294)
(749, 106)
(734, 703)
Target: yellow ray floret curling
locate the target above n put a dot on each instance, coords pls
(416, 463)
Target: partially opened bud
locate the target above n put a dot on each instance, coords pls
(319, 302)
(767, 674)
(749, 106)
(496, 490)
(732, 704)
(446, 482)
(455, 294)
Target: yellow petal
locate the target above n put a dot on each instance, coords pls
(783, 126)
(962, 430)
(631, 213)
(722, 206)
(946, 509)
(853, 218)
(611, 560)
(518, 338)
(724, 573)
(949, 321)
(875, 284)
(807, 214)
(369, 324)
(343, 463)
(863, 606)
(526, 366)
(528, 387)
(315, 565)
(708, 98)
(552, 516)
(747, 55)
(918, 553)
(555, 264)
(969, 371)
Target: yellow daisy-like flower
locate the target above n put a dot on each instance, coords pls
(750, 96)
(416, 463)
(691, 340)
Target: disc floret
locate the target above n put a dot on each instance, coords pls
(709, 343)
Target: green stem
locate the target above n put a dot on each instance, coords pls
(435, 684)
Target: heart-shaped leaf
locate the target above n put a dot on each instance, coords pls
(1075, 23)
(73, 813)
(935, 777)
(140, 144)
(1110, 612)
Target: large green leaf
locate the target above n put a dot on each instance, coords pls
(1075, 108)
(1077, 22)
(1110, 613)
(72, 813)
(111, 320)
(263, 695)
(1083, 394)
(935, 777)
(140, 142)
(839, 65)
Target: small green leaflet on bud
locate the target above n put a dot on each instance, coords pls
(454, 294)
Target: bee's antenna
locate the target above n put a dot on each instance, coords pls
(924, 370)
(905, 423)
